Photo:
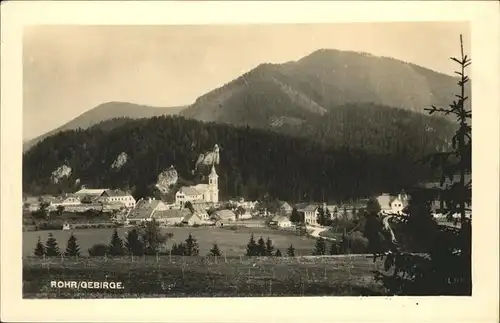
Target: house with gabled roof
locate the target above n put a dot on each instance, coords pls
(192, 219)
(281, 221)
(171, 216)
(309, 212)
(143, 210)
(110, 196)
(89, 192)
(285, 208)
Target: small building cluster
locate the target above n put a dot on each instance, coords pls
(85, 199)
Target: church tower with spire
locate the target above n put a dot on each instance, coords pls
(213, 184)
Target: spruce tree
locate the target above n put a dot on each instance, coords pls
(278, 253)
(320, 247)
(133, 243)
(215, 251)
(39, 249)
(115, 247)
(252, 248)
(152, 238)
(321, 216)
(51, 247)
(334, 249)
(295, 216)
(269, 247)
(192, 248)
(261, 247)
(72, 248)
(328, 217)
(449, 265)
(179, 249)
(290, 251)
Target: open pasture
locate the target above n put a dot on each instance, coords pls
(166, 276)
(231, 242)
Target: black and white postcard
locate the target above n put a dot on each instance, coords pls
(194, 156)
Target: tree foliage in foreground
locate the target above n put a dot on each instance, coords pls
(446, 270)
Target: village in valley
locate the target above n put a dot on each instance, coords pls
(331, 174)
(200, 206)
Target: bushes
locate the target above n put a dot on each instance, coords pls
(98, 250)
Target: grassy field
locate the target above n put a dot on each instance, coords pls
(231, 242)
(204, 276)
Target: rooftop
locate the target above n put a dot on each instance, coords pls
(189, 190)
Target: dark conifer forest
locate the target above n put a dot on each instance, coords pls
(352, 151)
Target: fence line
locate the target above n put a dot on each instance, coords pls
(196, 259)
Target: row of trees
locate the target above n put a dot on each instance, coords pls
(133, 245)
(265, 248)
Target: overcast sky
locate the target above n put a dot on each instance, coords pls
(71, 69)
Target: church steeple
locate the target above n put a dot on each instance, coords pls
(213, 173)
(213, 182)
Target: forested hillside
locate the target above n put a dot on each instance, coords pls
(357, 156)
(319, 82)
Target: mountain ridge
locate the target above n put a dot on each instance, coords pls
(321, 81)
(102, 112)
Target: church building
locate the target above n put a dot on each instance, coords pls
(208, 193)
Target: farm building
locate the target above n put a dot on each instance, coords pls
(223, 217)
(192, 219)
(171, 217)
(285, 208)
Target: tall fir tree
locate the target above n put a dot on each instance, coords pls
(252, 248)
(269, 247)
(295, 216)
(51, 246)
(322, 216)
(261, 247)
(72, 248)
(115, 247)
(152, 238)
(320, 247)
(334, 249)
(192, 248)
(215, 251)
(39, 249)
(133, 243)
(290, 252)
(328, 217)
(448, 269)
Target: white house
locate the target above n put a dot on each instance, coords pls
(310, 213)
(202, 192)
(392, 204)
(111, 196)
(281, 221)
(66, 201)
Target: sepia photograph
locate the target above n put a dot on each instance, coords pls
(257, 161)
(233, 161)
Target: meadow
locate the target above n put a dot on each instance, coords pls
(166, 276)
(232, 242)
